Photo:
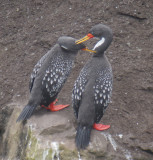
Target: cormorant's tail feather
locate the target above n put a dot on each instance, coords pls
(26, 113)
(83, 136)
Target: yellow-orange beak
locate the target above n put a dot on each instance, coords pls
(88, 50)
(87, 37)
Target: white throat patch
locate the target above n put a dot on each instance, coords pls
(64, 47)
(99, 43)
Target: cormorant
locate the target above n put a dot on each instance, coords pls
(49, 76)
(93, 87)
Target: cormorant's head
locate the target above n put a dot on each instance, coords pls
(103, 32)
(100, 31)
(68, 44)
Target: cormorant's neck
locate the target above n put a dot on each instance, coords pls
(103, 44)
(99, 54)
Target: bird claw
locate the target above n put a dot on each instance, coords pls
(44, 107)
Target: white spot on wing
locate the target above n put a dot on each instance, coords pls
(101, 101)
(97, 91)
(104, 96)
(99, 43)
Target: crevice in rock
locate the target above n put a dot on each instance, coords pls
(24, 139)
(147, 89)
(11, 142)
(4, 118)
(132, 16)
(147, 151)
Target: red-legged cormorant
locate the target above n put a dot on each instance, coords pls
(93, 87)
(49, 76)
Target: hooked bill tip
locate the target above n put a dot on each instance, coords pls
(87, 37)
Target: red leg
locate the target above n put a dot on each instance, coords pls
(44, 107)
(54, 108)
(55, 101)
(100, 127)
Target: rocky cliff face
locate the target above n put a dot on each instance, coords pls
(28, 30)
(54, 139)
(51, 136)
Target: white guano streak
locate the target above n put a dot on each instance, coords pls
(55, 148)
(112, 141)
(99, 43)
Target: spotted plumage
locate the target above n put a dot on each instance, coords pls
(54, 78)
(78, 90)
(102, 92)
(36, 69)
(99, 80)
(50, 74)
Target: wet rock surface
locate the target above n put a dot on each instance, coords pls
(28, 30)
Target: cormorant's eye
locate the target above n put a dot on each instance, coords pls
(92, 32)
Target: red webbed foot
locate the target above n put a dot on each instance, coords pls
(58, 107)
(54, 107)
(100, 127)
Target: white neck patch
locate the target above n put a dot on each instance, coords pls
(64, 47)
(99, 43)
